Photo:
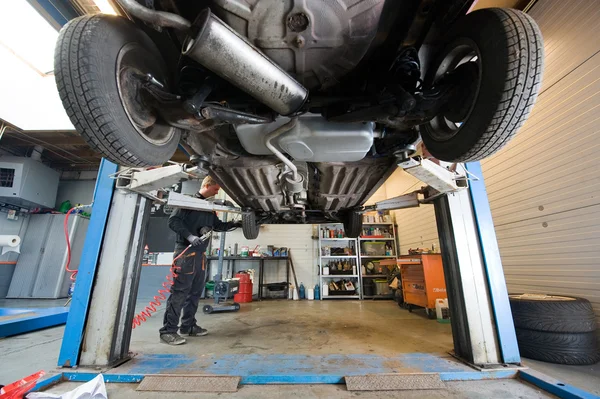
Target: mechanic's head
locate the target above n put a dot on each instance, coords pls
(209, 187)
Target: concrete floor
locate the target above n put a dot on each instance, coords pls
(300, 327)
(307, 327)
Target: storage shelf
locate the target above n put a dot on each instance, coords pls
(338, 275)
(338, 257)
(378, 257)
(340, 296)
(377, 239)
(337, 239)
(377, 224)
(374, 276)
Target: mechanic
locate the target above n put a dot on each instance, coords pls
(188, 285)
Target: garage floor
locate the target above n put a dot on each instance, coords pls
(307, 327)
(285, 327)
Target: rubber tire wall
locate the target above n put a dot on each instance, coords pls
(249, 226)
(557, 331)
(512, 57)
(84, 63)
(567, 316)
(561, 348)
(353, 224)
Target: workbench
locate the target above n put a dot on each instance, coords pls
(261, 268)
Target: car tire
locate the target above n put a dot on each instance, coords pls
(88, 68)
(553, 313)
(560, 348)
(353, 224)
(250, 227)
(509, 54)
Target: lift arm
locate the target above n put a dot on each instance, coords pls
(440, 180)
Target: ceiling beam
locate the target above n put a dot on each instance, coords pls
(26, 140)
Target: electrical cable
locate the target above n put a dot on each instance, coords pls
(46, 145)
(157, 300)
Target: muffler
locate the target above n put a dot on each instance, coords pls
(219, 48)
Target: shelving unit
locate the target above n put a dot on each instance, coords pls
(364, 259)
(327, 259)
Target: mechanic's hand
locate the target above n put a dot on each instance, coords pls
(194, 240)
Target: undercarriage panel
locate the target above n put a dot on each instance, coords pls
(255, 183)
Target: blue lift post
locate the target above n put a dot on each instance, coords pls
(73, 337)
(493, 264)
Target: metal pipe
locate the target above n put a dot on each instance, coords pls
(219, 113)
(276, 133)
(219, 48)
(159, 18)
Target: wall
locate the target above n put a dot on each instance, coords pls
(416, 227)
(7, 261)
(76, 191)
(298, 238)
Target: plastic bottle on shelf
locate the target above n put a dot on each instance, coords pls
(325, 290)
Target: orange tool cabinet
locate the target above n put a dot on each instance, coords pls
(422, 280)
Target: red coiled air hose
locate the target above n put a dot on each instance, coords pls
(152, 306)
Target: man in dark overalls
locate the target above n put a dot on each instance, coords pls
(188, 285)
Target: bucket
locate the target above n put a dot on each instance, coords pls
(244, 293)
(310, 294)
(442, 311)
(369, 288)
(209, 289)
(244, 251)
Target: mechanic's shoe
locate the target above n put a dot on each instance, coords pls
(195, 331)
(172, 339)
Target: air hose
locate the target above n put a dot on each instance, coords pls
(157, 300)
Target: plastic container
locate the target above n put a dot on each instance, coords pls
(317, 292)
(381, 287)
(374, 248)
(295, 293)
(244, 251)
(326, 270)
(209, 289)
(325, 290)
(244, 294)
(442, 311)
(65, 206)
(310, 294)
(302, 291)
(368, 287)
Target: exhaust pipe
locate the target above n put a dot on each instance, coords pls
(222, 50)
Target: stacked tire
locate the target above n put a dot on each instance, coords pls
(555, 329)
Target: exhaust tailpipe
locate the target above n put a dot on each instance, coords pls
(222, 50)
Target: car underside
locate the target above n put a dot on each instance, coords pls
(299, 109)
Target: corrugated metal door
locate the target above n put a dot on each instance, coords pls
(544, 188)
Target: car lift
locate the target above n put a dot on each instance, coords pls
(103, 304)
